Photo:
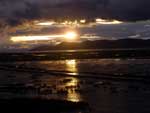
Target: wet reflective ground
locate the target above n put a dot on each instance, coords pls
(81, 81)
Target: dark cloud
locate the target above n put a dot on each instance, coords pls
(14, 12)
(130, 9)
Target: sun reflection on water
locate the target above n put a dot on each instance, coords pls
(71, 65)
(72, 94)
(69, 85)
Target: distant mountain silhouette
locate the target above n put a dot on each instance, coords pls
(98, 44)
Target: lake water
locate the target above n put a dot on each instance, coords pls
(103, 95)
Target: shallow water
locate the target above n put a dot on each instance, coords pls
(124, 66)
(103, 96)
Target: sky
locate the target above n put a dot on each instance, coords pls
(14, 12)
(19, 17)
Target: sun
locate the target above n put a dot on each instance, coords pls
(71, 36)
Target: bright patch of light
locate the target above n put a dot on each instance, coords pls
(103, 21)
(83, 21)
(45, 23)
(70, 36)
(70, 23)
(71, 63)
(33, 38)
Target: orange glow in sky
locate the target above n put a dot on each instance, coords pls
(48, 23)
(68, 36)
(103, 21)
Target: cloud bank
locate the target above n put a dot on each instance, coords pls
(14, 12)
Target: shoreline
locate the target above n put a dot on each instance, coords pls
(76, 54)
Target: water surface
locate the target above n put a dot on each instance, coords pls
(103, 96)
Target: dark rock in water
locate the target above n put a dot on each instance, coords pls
(41, 106)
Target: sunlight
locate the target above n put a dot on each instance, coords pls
(33, 38)
(48, 23)
(83, 21)
(73, 95)
(103, 21)
(71, 36)
(72, 23)
(71, 65)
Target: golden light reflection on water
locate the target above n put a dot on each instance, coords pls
(72, 83)
(72, 95)
(71, 65)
